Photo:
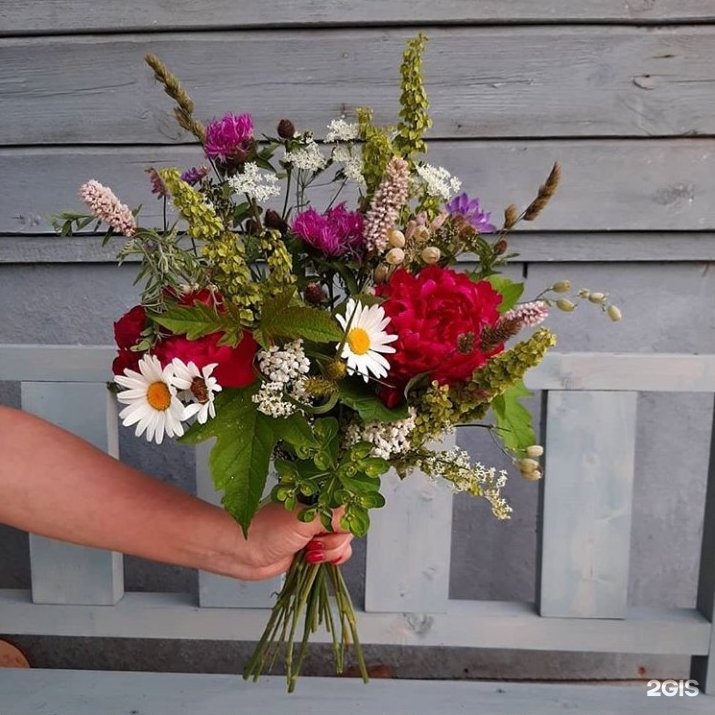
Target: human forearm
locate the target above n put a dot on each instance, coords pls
(55, 484)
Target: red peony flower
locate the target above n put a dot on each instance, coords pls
(126, 359)
(235, 364)
(438, 316)
(127, 330)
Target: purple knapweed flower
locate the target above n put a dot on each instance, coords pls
(462, 205)
(229, 136)
(194, 175)
(337, 232)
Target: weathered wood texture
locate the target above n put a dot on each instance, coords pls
(469, 624)
(83, 693)
(409, 544)
(561, 247)
(65, 573)
(587, 81)
(608, 185)
(587, 504)
(50, 16)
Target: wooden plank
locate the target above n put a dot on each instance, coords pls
(65, 573)
(587, 504)
(417, 519)
(221, 591)
(535, 247)
(650, 185)
(637, 372)
(579, 81)
(73, 692)
(469, 624)
(52, 16)
(703, 667)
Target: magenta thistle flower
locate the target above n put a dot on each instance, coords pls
(229, 137)
(462, 205)
(108, 208)
(337, 232)
(194, 175)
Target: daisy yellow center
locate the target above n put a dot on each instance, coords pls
(359, 341)
(158, 396)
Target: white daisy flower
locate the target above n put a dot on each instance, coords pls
(151, 401)
(366, 339)
(198, 387)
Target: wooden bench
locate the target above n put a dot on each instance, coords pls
(581, 604)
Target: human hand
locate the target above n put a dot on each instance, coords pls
(274, 537)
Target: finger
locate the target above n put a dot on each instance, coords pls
(347, 553)
(328, 548)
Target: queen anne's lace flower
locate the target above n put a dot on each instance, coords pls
(256, 183)
(438, 181)
(307, 157)
(284, 365)
(351, 164)
(271, 400)
(341, 131)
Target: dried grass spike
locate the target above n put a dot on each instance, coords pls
(546, 191)
(511, 216)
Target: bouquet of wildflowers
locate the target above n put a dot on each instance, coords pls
(325, 341)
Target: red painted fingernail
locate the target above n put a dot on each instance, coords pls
(336, 562)
(315, 557)
(314, 546)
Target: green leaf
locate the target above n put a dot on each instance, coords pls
(510, 291)
(280, 319)
(368, 405)
(197, 320)
(240, 458)
(296, 431)
(513, 420)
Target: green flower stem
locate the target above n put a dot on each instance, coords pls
(305, 597)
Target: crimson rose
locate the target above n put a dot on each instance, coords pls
(438, 316)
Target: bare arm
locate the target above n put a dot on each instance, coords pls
(55, 484)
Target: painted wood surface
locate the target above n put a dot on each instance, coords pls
(578, 81)
(65, 573)
(51, 16)
(660, 372)
(703, 668)
(469, 624)
(646, 185)
(587, 504)
(562, 247)
(101, 693)
(409, 544)
(222, 591)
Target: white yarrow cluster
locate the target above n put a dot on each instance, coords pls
(388, 438)
(351, 165)
(285, 369)
(439, 182)
(271, 401)
(341, 131)
(256, 183)
(307, 157)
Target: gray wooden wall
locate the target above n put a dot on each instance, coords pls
(621, 93)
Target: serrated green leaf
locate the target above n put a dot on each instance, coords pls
(510, 291)
(197, 320)
(241, 456)
(514, 422)
(368, 405)
(280, 319)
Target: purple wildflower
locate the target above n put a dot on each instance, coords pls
(194, 175)
(158, 187)
(462, 205)
(334, 233)
(229, 137)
